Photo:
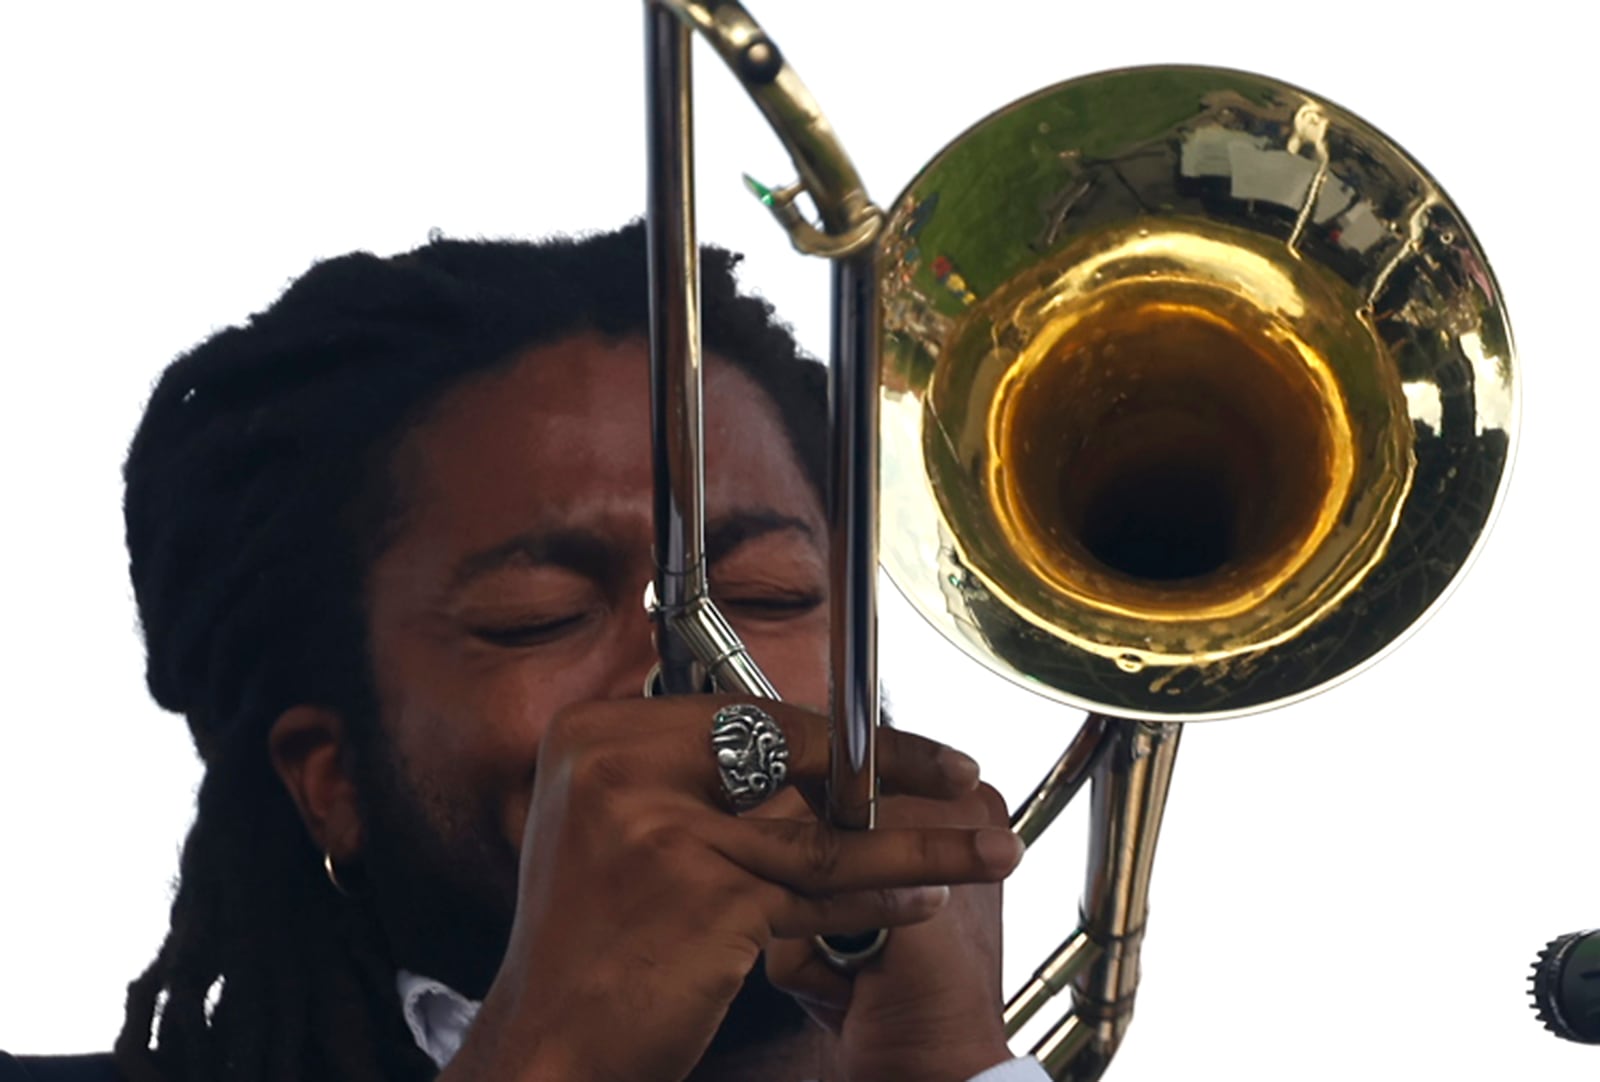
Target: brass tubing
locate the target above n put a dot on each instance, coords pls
(678, 457)
(1050, 980)
(1065, 1050)
(1130, 793)
(1129, 796)
(853, 543)
(716, 646)
(849, 220)
(1056, 790)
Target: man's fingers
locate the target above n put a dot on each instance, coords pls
(674, 739)
(815, 859)
(800, 917)
(916, 766)
(907, 763)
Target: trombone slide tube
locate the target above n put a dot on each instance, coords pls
(853, 543)
(694, 640)
(676, 426)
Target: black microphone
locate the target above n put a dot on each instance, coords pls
(1566, 987)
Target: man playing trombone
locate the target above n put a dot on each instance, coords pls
(388, 541)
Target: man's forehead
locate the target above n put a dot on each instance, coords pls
(591, 368)
(581, 392)
(560, 442)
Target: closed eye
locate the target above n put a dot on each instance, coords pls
(771, 606)
(514, 636)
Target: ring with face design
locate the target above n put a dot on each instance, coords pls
(752, 755)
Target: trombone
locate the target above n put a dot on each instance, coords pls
(1176, 394)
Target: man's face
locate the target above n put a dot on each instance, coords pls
(513, 588)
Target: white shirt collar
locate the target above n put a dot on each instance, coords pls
(436, 1014)
(438, 1017)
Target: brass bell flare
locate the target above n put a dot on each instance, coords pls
(1197, 393)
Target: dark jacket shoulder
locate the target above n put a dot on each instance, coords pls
(95, 1068)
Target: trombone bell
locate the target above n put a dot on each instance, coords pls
(1189, 416)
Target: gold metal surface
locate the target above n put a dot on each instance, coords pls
(849, 222)
(1197, 393)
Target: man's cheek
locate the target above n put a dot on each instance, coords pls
(797, 665)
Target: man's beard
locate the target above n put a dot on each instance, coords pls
(444, 888)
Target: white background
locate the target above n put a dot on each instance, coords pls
(1350, 888)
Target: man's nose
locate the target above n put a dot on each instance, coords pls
(634, 656)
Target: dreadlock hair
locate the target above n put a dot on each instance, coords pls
(258, 493)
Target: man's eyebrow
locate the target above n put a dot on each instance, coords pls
(730, 531)
(591, 554)
(582, 551)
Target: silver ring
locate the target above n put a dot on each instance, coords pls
(847, 954)
(752, 754)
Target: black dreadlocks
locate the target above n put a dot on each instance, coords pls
(258, 492)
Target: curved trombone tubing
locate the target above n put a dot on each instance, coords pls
(1129, 764)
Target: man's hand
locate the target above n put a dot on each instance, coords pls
(644, 902)
(928, 1009)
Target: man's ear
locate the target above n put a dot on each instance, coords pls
(308, 749)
